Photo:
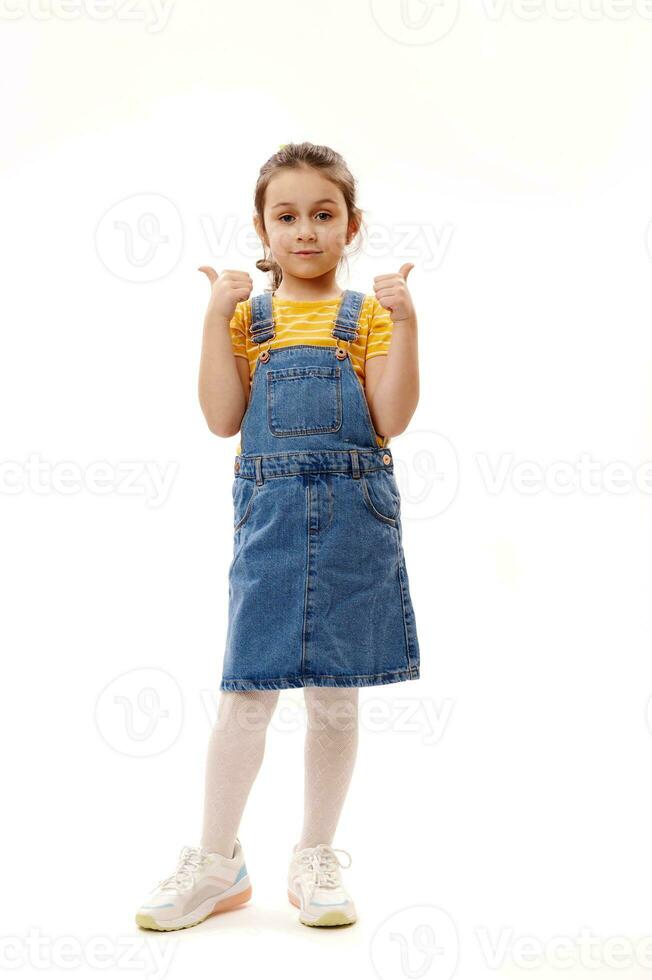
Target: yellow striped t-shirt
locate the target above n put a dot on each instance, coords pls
(311, 322)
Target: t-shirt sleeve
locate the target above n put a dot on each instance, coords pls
(238, 330)
(380, 330)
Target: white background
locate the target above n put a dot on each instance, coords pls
(506, 151)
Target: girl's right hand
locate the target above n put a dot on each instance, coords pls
(227, 290)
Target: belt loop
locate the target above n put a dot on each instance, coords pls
(259, 470)
(355, 463)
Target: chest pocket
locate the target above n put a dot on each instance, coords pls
(304, 400)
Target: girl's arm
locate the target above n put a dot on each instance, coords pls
(223, 387)
(392, 381)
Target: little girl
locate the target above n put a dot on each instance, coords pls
(318, 587)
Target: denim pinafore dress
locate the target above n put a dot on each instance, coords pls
(318, 587)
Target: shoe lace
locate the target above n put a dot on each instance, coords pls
(191, 860)
(323, 864)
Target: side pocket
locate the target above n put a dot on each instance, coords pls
(381, 495)
(244, 493)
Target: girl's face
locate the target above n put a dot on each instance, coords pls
(304, 213)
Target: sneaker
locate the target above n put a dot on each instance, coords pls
(204, 882)
(315, 887)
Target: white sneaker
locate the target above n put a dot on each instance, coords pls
(204, 882)
(315, 887)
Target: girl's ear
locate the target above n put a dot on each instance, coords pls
(353, 229)
(260, 231)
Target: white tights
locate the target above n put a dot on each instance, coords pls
(235, 754)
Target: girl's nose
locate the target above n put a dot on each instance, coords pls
(306, 233)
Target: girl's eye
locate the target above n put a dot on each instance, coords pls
(282, 216)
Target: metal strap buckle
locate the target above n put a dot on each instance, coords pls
(264, 353)
(342, 349)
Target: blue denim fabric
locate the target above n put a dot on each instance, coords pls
(318, 588)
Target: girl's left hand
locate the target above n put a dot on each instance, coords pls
(392, 293)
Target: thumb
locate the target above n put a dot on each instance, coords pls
(210, 272)
(405, 269)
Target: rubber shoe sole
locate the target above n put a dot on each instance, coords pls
(223, 904)
(334, 917)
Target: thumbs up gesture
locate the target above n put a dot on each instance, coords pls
(392, 293)
(227, 290)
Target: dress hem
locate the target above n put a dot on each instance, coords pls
(320, 680)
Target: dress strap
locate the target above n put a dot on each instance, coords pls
(348, 315)
(262, 320)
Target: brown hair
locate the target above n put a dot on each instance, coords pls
(293, 156)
